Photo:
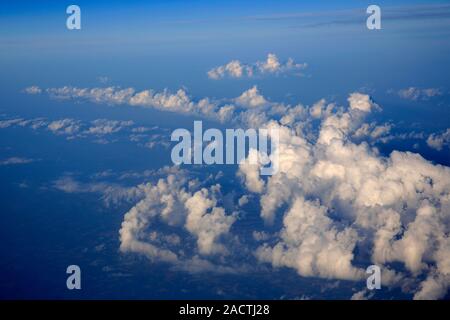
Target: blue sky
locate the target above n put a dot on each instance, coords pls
(85, 122)
(119, 41)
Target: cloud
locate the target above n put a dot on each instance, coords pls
(156, 140)
(260, 236)
(172, 201)
(33, 123)
(243, 200)
(342, 195)
(415, 94)
(373, 131)
(15, 160)
(207, 226)
(272, 65)
(103, 79)
(101, 130)
(362, 102)
(337, 198)
(8, 123)
(362, 295)
(105, 126)
(33, 90)
(249, 171)
(439, 141)
(173, 220)
(64, 126)
(237, 110)
(178, 102)
(434, 287)
(73, 127)
(312, 244)
(251, 98)
(109, 95)
(111, 193)
(234, 69)
(250, 109)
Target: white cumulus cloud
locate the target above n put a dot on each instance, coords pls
(272, 65)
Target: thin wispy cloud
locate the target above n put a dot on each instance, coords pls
(15, 161)
(415, 94)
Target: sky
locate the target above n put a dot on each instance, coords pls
(85, 150)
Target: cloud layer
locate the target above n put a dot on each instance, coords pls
(342, 195)
(335, 199)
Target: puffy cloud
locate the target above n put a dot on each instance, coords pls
(64, 126)
(173, 220)
(251, 98)
(207, 226)
(172, 201)
(272, 65)
(317, 110)
(250, 109)
(434, 287)
(234, 69)
(414, 94)
(249, 171)
(178, 102)
(439, 141)
(373, 131)
(362, 102)
(312, 244)
(342, 195)
(238, 110)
